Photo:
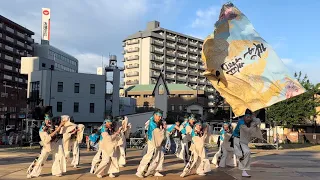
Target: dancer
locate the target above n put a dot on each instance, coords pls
(108, 145)
(97, 158)
(186, 130)
(225, 156)
(122, 144)
(152, 161)
(94, 140)
(52, 143)
(76, 139)
(145, 147)
(174, 131)
(247, 127)
(198, 159)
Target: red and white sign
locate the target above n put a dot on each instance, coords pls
(45, 24)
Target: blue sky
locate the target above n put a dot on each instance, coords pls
(89, 29)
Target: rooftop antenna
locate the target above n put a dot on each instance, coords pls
(102, 61)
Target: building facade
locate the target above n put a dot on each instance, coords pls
(15, 42)
(62, 61)
(76, 94)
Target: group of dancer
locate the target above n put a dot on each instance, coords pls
(190, 138)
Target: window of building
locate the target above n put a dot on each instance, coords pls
(75, 107)
(92, 89)
(60, 86)
(43, 64)
(180, 107)
(59, 106)
(172, 107)
(7, 67)
(161, 89)
(91, 107)
(76, 87)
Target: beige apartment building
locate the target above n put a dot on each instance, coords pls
(178, 56)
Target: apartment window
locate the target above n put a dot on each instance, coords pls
(91, 107)
(75, 107)
(76, 87)
(43, 64)
(180, 107)
(59, 106)
(172, 107)
(92, 89)
(60, 86)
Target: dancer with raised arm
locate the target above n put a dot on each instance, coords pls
(247, 127)
(186, 130)
(52, 143)
(152, 161)
(122, 145)
(198, 159)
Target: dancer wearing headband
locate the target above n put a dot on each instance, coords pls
(198, 158)
(247, 127)
(122, 144)
(225, 156)
(108, 145)
(186, 130)
(152, 161)
(51, 144)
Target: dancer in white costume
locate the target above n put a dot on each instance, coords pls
(198, 159)
(145, 148)
(186, 129)
(174, 131)
(122, 145)
(225, 156)
(72, 136)
(152, 161)
(108, 145)
(52, 143)
(97, 158)
(247, 127)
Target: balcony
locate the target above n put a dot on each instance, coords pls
(195, 65)
(8, 57)
(157, 42)
(172, 68)
(171, 61)
(202, 81)
(183, 78)
(155, 74)
(155, 66)
(200, 45)
(29, 55)
(171, 76)
(193, 58)
(182, 70)
(194, 73)
(29, 47)
(153, 81)
(194, 80)
(211, 96)
(20, 43)
(20, 35)
(211, 104)
(9, 39)
(183, 41)
(30, 39)
(192, 43)
(210, 89)
(131, 58)
(182, 48)
(171, 45)
(193, 51)
(182, 63)
(171, 53)
(201, 67)
(132, 66)
(8, 48)
(123, 44)
(201, 73)
(134, 82)
(184, 56)
(9, 29)
(157, 50)
(202, 88)
(132, 74)
(157, 58)
(136, 49)
(123, 52)
(133, 41)
(171, 37)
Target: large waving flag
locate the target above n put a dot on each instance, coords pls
(243, 67)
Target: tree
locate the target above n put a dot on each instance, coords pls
(299, 109)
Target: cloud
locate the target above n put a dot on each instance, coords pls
(86, 29)
(206, 17)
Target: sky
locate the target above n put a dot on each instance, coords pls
(93, 29)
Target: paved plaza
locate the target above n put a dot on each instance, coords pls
(266, 165)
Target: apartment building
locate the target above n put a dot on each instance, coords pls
(178, 56)
(15, 42)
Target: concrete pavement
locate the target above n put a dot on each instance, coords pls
(269, 165)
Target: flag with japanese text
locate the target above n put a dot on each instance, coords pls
(243, 67)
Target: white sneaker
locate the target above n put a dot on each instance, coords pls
(183, 174)
(111, 175)
(245, 174)
(139, 175)
(157, 174)
(99, 176)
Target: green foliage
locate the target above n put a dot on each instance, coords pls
(297, 110)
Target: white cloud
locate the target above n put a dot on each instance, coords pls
(206, 17)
